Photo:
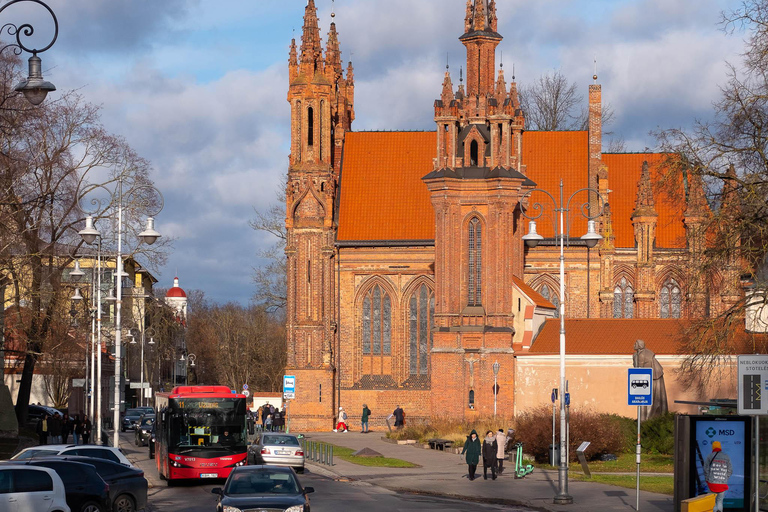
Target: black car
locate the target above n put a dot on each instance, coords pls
(35, 413)
(131, 418)
(142, 430)
(151, 441)
(127, 485)
(263, 488)
(85, 490)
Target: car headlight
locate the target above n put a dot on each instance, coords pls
(295, 508)
(227, 508)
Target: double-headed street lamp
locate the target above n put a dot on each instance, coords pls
(590, 239)
(143, 333)
(148, 236)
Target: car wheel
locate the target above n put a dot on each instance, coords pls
(122, 429)
(124, 503)
(91, 507)
(300, 470)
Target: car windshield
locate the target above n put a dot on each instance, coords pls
(261, 482)
(200, 423)
(147, 422)
(280, 440)
(31, 454)
(134, 412)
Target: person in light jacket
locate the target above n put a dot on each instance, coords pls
(501, 440)
(472, 449)
(717, 471)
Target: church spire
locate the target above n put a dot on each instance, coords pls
(481, 16)
(333, 54)
(311, 49)
(481, 40)
(644, 203)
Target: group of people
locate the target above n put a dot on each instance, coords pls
(272, 419)
(343, 426)
(56, 429)
(491, 449)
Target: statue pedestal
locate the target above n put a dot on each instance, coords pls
(9, 427)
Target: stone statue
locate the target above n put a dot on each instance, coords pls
(645, 358)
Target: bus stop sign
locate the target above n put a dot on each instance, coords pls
(640, 386)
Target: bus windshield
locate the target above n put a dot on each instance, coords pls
(198, 423)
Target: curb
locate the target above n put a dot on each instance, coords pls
(324, 471)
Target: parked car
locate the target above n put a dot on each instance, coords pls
(84, 489)
(132, 417)
(277, 449)
(141, 432)
(35, 412)
(263, 488)
(127, 485)
(85, 450)
(31, 488)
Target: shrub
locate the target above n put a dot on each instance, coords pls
(606, 433)
(448, 428)
(658, 434)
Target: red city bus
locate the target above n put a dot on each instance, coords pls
(189, 432)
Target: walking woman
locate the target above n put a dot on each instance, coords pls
(490, 449)
(472, 449)
(366, 415)
(86, 429)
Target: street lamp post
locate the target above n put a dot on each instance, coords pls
(143, 336)
(496, 367)
(590, 239)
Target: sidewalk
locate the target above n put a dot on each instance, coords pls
(445, 474)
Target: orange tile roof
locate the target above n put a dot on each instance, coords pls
(382, 195)
(608, 336)
(623, 174)
(532, 294)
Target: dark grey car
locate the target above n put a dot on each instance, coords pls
(127, 485)
(263, 488)
(142, 430)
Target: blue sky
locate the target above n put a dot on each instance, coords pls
(199, 87)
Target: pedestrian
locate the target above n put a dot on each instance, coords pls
(490, 451)
(76, 433)
(264, 414)
(86, 429)
(341, 425)
(66, 428)
(276, 420)
(55, 429)
(399, 415)
(42, 429)
(268, 423)
(366, 415)
(472, 449)
(717, 471)
(501, 440)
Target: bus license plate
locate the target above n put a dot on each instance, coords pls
(209, 475)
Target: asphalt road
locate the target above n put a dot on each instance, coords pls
(330, 495)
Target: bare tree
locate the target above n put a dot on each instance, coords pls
(270, 279)
(727, 158)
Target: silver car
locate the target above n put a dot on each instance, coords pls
(277, 449)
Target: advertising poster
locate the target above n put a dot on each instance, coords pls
(732, 436)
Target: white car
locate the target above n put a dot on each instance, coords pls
(84, 450)
(31, 488)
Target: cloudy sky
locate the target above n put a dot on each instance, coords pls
(199, 87)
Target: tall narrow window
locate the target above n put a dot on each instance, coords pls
(310, 126)
(299, 113)
(623, 300)
(377, 322)
(671, 300)
(552, 297)
(473, 154)
(320, 129)
(475, 262)
(421, 310)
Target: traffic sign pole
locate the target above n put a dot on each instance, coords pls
(640, 394)
(752, 385)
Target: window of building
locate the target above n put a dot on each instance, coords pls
(377, 322)
(420, 313)
(475, 262)
(310, 126)
(623, 300)
(473, 153)
(671, 299)
(552, 297)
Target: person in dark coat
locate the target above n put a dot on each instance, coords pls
(490, 450)
(75, 432)
(66, 428)
(264, 414)
(54, 427)
(366, 415)
(399, 415)
(42, 429)
(472, 449)
(86, 429)
(277, 421)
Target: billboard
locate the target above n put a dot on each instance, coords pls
(734, 434)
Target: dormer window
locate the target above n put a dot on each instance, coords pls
(473, 153)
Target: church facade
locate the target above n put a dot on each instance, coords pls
(408, 277)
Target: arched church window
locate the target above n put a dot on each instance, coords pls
(623, 300)
(473, 153)
(671, 299)
(552, 297)
(421, 310)
(310, 126)
(377, 322)
(475, 260)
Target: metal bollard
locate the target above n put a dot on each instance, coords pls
(324, 448)
(331, 464)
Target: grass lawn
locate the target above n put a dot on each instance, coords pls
(381, 462)
(658, 484)
(649, 463)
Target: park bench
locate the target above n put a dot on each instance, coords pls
(439, 444)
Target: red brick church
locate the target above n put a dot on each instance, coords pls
(407, 274)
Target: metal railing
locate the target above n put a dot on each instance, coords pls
(320, 453)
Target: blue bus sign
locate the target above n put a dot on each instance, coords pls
(640, 386)
(289, 387)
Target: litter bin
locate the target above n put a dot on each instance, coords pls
(554, 455)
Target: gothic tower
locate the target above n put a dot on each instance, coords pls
(321, 99)
(475, 191)
(644, 219)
